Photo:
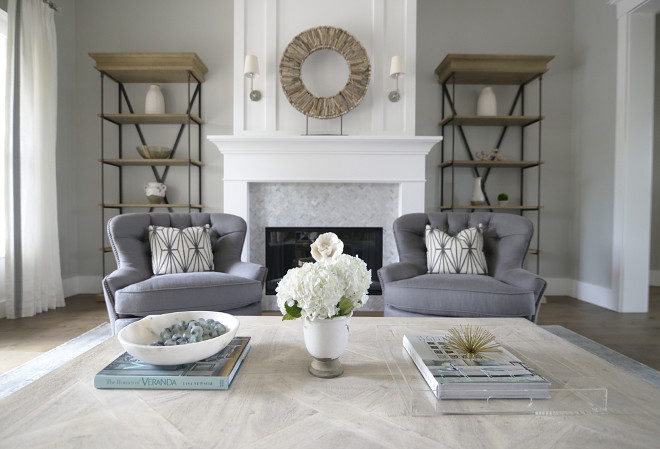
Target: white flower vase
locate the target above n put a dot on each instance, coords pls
(326, 341)
(478, 198)
(487, 103)
(155, 102)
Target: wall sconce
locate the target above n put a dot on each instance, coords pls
(251, 70)
(396, 71)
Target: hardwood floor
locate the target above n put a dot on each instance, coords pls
(23, 339)
(636, 335)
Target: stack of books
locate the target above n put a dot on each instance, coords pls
(213, 373)
(451, 376)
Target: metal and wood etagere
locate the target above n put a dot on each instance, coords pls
(122, 68)
(521, 71)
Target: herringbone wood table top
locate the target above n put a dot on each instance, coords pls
(275, 403)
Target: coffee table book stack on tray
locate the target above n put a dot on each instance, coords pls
(451, 376)
(213, 373)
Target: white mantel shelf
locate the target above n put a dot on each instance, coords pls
(317, 144)
(399, 160)
(324, 158)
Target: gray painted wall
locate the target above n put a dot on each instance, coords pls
(201, 26)
(655, 203)
(592, 159)
(506, 27)
(578, 103)
(69, 223)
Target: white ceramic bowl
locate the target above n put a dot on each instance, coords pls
(137, 336)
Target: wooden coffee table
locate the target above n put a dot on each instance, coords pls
(275, 403)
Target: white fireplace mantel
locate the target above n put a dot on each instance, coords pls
(323, 159)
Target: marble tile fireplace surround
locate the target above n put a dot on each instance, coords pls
(325, 181)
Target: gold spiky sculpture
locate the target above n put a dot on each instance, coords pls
(472, 342)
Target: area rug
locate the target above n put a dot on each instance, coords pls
(23, 375)
(640, 370)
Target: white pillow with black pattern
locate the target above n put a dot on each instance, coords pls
(176, 250)
(459, 254)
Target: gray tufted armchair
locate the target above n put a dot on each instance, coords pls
(507, 291)
(132, 292)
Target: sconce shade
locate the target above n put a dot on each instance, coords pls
(251, 68)
(397, 67)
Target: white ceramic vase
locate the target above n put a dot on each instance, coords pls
(155, 102)
(326, 341)
(478, 197)
(155, 192)
(487, 103)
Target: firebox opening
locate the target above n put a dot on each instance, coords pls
(289, 247)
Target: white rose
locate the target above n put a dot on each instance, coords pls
(327, 247)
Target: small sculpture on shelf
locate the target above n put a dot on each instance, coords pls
(492, 156)
(155, 192)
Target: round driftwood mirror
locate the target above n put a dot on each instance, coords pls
(313, 40)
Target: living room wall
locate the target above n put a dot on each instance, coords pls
(563, 28)
(201, 26)
(593, 149)
(655, 203)
(507, 27)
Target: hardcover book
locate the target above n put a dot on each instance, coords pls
(450, 376)
(213, 373)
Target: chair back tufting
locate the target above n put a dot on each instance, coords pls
(506, 236)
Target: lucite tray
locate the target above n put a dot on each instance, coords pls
(571, 390)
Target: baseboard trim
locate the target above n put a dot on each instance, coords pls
(584, 291)
(77, 285)
(654, 278)
(596, 295)
(559, 287)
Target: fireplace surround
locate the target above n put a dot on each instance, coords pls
(367, 181)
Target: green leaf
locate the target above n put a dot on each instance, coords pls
(292, 312)
(345, 307)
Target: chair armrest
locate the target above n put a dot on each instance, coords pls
(123, 277)
(245, 270)
(526, 280)
(398, 271)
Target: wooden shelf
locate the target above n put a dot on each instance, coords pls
(151, 119)
(491, 120)
(151, 162)
(492, 69)
(149, 205)
(494, 207)
(491, 164)
(150, 67)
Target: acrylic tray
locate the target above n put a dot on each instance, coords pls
(571, 390)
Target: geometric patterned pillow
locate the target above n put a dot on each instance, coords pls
(461, 254)
(176, 250)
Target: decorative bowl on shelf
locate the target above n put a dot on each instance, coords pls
(154, 151)
(136, 338)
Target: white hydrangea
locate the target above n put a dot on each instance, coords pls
(315, 288)
(334, 285)
(355, 277)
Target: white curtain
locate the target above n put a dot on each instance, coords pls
(33, 281)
